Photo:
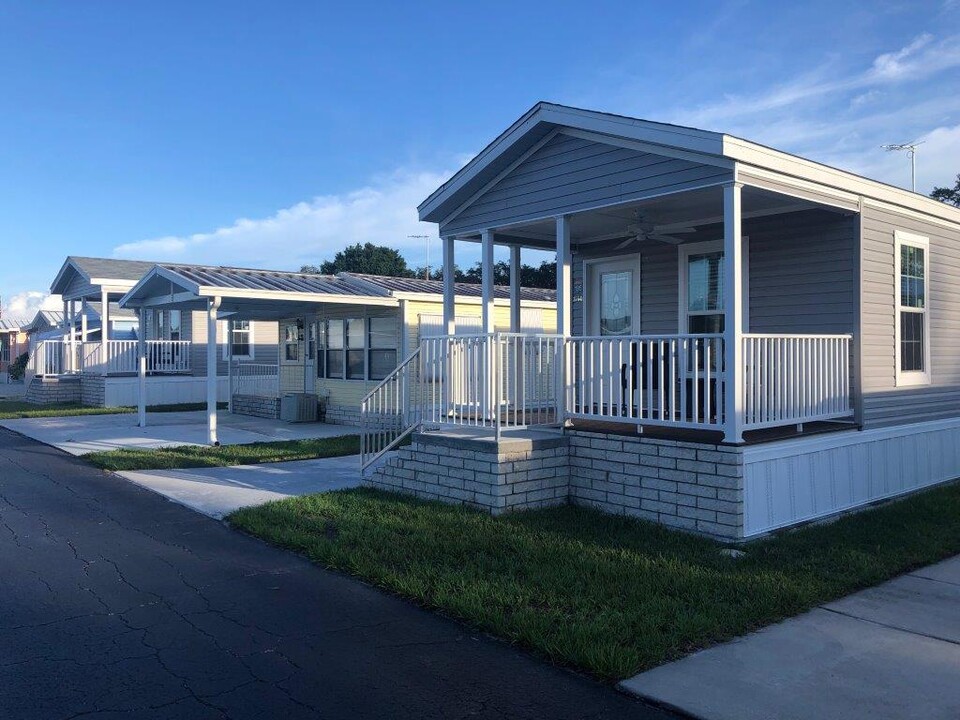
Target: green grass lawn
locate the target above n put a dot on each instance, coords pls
(190, 456)
(13, 409)
(608, 595)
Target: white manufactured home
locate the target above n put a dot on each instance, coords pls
(747, 339)
(93, 357)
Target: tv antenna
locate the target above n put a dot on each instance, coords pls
(426, 242)
(911, 150)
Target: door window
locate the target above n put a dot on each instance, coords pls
(616, 303)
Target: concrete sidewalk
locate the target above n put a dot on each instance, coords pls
(219, 491)
(81, 434)
(892, 651)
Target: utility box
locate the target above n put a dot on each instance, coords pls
(298, 407)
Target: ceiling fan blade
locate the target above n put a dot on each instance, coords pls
(661, 237)
(628, 241)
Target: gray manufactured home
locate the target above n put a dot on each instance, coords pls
(746, 339)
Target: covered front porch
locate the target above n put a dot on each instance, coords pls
(724, 313)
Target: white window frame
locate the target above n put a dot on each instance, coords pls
(227, 330)
(911, 378)
(684, 251)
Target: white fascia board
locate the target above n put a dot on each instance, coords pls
(67, 265)
(113, 284)
(132, 297)
(676, 136)
(785, 164)
(296, 297)
(482, 160)
(838, 198)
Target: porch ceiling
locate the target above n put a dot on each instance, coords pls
(697, 208)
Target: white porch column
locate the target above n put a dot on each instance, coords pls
(564, 276)
(487, 284)
(105, 330)
(73, 336)
(515, 288)
(84, 331)
(733, 314)
(142, 368)
(213, 304)
(449, 291)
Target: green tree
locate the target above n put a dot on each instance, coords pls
(367, 258)
(951, 196)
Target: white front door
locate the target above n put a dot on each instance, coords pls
(614, 297)
(613, 310)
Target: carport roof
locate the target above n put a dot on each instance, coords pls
(264, 294)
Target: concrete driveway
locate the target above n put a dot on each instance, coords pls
(889, 652)
(88, 433)
(219, 491)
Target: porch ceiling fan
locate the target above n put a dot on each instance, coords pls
(643, 229)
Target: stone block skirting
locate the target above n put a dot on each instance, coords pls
(257, 406)
(53, 390)
(517, 473)
(342, 414)
(93, 390)
(694, 486)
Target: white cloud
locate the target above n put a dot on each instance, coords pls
(923, 57)
(384, 212)
(24, 305)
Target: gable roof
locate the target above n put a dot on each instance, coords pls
(543, 119)
(45, 318)
(8, 324)
(99, 271)
(190, 285)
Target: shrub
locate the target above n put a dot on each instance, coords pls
(19, 366)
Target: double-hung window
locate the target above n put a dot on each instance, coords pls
(705, 293)
(383, 347)
(912, 259)
(241, 344)
(357, 348)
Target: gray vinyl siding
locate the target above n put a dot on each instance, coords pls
(78, 287)
(802, 273)
(883, 403)
(801, 276)
(570, 174)
(265, 340)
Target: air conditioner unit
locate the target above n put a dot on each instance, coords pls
(298, 407)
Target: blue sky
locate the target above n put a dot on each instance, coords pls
(272, 134)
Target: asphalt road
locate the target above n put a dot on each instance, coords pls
(116, 603)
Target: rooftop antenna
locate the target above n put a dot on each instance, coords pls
(426, 242)
(911, 150)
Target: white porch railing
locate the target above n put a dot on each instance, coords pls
(260, 379)
(793, 379)
(163, 356)
(46, 358)
(392, 410)
(52, 357)
(505, 380)
(671, 380)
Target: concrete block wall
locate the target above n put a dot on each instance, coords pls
(93, 390)
(53, 391)
(513, 475)
(694, 486)
(257, 406)
(343, 414)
